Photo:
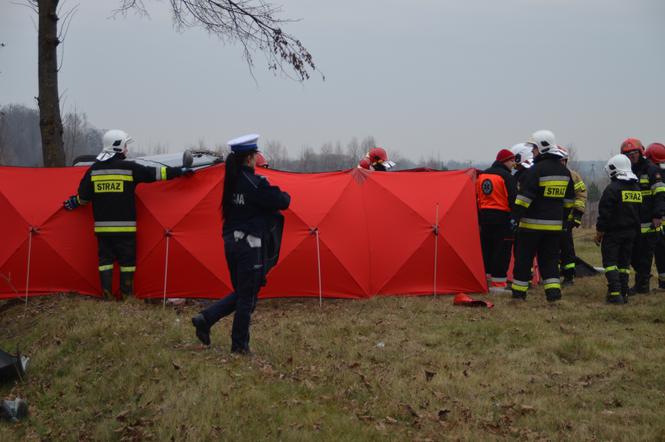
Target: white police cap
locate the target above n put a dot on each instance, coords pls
(245, 143)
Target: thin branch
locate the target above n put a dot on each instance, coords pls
(30, 4)
(64, 29)
(252, 23)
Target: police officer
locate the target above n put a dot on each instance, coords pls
(617, 226)
(252, 233)
(110, 184)
(656, 154)
(651, 212)
(574, 220)
(542, 203)
(496, 189)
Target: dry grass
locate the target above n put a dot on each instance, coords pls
(391, 368)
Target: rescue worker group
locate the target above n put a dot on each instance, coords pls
(529, 202)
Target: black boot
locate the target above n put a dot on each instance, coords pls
(553, 295)
(106, 278)
(519, 295)
(623, 284)
(568, 277)
(202, 328)
(126, 284)
(641, 286)
(615, 298)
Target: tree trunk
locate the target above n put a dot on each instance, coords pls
(50, 122)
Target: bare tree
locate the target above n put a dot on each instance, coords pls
(72, 134)
(367, 143)
(276, 154)
(353, 150)
(50, 121)
(19, 136)
(252, 23)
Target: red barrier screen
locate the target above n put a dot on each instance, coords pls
(348, 234)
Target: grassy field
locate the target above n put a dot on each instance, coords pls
(387, 368)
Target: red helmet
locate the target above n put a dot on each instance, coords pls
(656, 153)
(377, 154)
(364, 163)
(631, 145)
(261, 161)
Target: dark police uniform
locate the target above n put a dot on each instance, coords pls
(496, 190)
(544, 200)
(653, 206)
(619, 221)
(110, 186)
(252, 232)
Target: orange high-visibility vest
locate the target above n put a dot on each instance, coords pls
(492, 193)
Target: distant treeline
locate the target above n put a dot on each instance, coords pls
(20, 145)
(20, 141)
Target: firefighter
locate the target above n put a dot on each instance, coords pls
(652, 210)
(543, 202)
(252, 233)
(656, 154)
(617, 226)
(109, 184)
(363, 163)
(496, 190)
(523, 160)
(378, 160)
(568, 256)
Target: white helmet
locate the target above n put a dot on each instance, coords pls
(562, 152)
(523, 154)
(545, 142)
(114, 141)
(619, 167)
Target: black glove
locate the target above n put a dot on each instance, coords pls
(577, 219)
(71, 203)
(186, 171)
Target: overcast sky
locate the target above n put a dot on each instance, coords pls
(455, 78)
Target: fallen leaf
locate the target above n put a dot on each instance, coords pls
(429, 375)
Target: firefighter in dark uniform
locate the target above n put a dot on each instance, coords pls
(568, 255)
(252, 233)
(617, 226)
(109, 184)
(651, 212)
(543, 202)
(496, 190)
(656, 154)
